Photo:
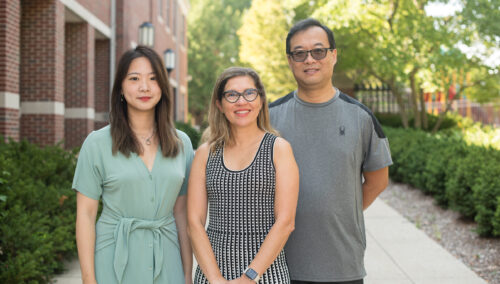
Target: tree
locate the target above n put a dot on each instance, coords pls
(483, 14)
(213, 47)
(453, 74)
(394, 42)
(262, 36)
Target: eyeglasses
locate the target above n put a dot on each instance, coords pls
(249, 95)
(316, 53)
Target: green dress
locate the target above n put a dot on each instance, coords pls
(136, 235)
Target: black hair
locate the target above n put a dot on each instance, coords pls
(306, 24)
(124, 140)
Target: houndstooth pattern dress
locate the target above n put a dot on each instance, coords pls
(241, 213)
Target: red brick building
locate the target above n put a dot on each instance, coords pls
(58, 58)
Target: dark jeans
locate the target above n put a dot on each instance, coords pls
(360, 281)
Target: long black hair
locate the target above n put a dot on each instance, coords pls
(123, 138)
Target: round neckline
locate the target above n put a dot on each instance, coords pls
(301, 101)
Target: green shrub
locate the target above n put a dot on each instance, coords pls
(394, 120)
(438, 167)
(409, 156)
(496, 219)
(448, 122)
(486, 191)
(461, 179)
(37, 211)
(193, 134)
(389, 119)
(458, 174)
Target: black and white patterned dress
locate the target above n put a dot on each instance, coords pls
(241, 213)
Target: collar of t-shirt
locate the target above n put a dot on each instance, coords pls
(296, 96)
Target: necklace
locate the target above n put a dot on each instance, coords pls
(148, 139)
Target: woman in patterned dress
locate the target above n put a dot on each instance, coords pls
(247, 179)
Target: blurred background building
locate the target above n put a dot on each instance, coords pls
(58, 59)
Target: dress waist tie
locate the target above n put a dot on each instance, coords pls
(125, 226)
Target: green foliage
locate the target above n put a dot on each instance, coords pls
(193, 134)
(213, 47)
(439, 169)
(481, 14)
(389, 119)
(37, 211)
(394, 120)
(496, 219)
(457, 174)
(460, 181)
(263, 36)
(486, 190)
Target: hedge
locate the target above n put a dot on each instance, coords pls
(193, 134)
(460, 175)
(394, 120)
(37, 211)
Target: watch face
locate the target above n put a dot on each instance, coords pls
(250, 273)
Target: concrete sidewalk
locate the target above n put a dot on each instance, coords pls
(397, 253)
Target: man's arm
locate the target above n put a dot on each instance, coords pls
(375, 183)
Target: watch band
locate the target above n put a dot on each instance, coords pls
(252, 274)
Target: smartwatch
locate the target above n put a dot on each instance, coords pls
(252, 274)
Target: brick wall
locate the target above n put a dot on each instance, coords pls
(10, 17)
(42, 70)
(79, 82)
(9, 123)
(38, 98)
(99, 8)
(9, 46)
(43, 129)
(102, 86)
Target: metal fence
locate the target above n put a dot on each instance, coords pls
(379, 99)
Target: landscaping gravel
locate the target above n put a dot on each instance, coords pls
(446, 227)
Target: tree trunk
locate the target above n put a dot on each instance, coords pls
(414, 96)
(441, 117)
(399, 100)
(423, 111)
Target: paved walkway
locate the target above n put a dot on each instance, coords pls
(397, 253)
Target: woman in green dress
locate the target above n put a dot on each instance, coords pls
(139, 165)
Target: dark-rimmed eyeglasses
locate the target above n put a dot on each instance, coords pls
(316, 53)
(249, 95)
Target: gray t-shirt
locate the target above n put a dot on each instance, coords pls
(333, 143)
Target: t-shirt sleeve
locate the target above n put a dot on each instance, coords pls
(378, 153)
(87, 179)
(189, 154)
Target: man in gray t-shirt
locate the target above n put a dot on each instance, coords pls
(337, 142)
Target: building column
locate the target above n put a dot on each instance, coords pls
(102, 92)
(79, 83)
(42, 71)
(10, 17)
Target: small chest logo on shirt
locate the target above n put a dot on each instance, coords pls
(342, 130)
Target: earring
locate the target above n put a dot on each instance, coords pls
(121, 98)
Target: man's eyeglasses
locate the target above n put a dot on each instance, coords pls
(249, 95)
(316, 53)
